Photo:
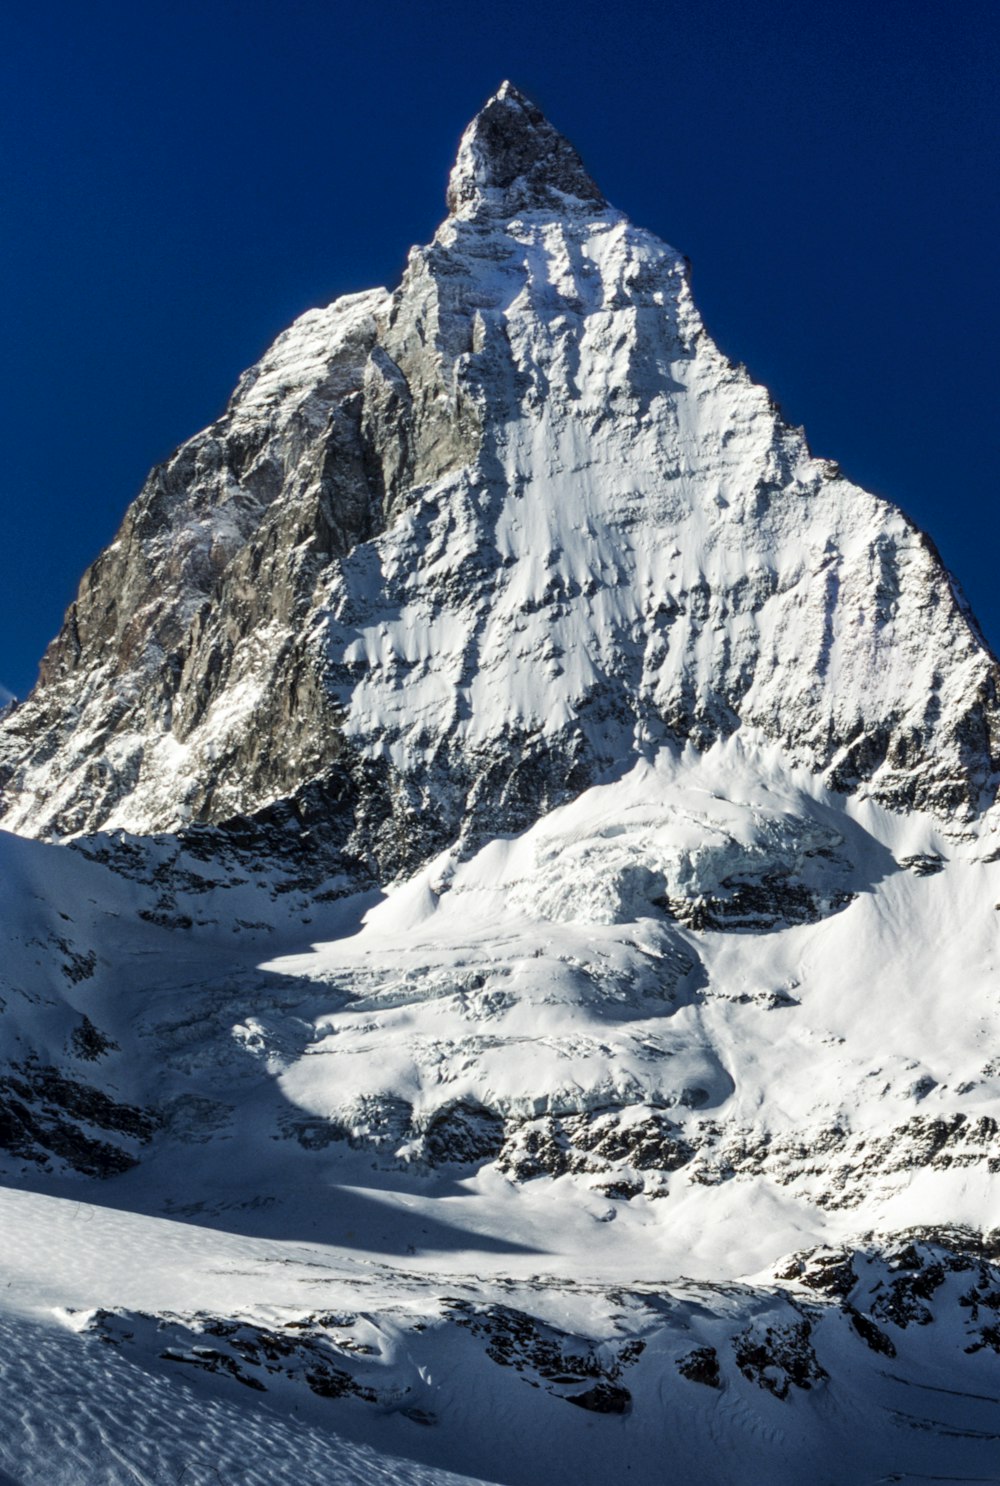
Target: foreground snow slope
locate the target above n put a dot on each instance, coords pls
(332, 1368)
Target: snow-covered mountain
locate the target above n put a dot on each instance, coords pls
(513, 830)
(454, 552)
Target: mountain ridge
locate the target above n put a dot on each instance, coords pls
(513, 825)
(209, 603)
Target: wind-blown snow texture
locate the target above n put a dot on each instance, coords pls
(514, 830)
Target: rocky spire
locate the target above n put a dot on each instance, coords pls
(512, 159)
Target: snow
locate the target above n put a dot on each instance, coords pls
(284, 379)
(633, 549)
(685, 555)
(537, 976)
(444, 1180)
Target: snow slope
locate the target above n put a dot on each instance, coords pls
(505, 989)
(401, 1158)
(472, 1372)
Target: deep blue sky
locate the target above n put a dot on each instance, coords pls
(180, 180)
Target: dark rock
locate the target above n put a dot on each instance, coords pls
(599, 1141)
(41, 1114)
(511, 158)
(603, 1398)
(923, 864)
(827, 1271)
(779, 1358)
(869, 1333)
(904, 1300)
(701, 1366)
(89, 1043)
(215, 1362)
(463, 1134)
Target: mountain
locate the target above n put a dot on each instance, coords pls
(501, 914)
(464, 547)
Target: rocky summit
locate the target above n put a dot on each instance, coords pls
(500, 887)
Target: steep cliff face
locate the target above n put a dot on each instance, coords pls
(200, 606)
(453, 553)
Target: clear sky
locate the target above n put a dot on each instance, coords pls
(180, 180)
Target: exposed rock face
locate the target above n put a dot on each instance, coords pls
(512, 160)
(599, 1143)
(46, 1116)
(200, 608)
(453, 552)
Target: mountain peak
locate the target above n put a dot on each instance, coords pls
(511, 158)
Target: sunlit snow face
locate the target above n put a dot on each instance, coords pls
(567, 970)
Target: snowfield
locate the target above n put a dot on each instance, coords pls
(396, 1143)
